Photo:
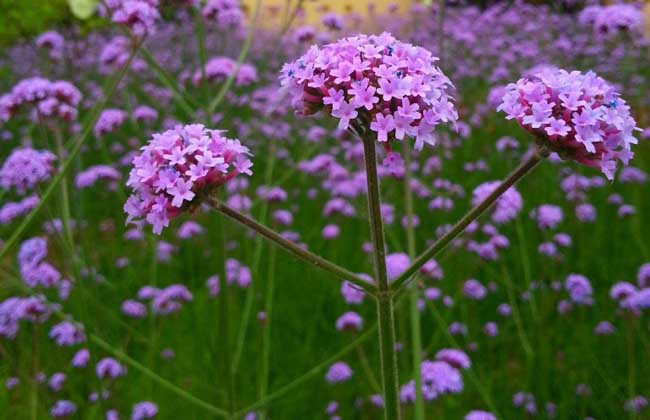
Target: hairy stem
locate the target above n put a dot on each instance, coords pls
(385, 311)
(291, 247)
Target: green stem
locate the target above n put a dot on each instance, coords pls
(631, 365)
(85, 134)
(479, 384)
(528, 350)
(291, 247)
(385, 311)
(35, 370)
(199, 30)
(220, 259)
(240, 59)
(65, 197)
(525, 260)
(472, 215)
(414, 291)
(441, 28)
(169, 82)
(159, 380)
(257, 257)
(307, 375)
(266, 335)
(365, 365)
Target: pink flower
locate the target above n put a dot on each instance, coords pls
(383, 125)
(577, 115)
(176, 167)
(373, 82)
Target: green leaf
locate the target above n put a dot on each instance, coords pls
(83, 9)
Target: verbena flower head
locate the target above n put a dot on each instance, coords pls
(62, 409)
(577, 115)
(612, 19)
(439, 378)
(47, 99)
(138, 15)
(338, 372)
(454, 357)
(480, 415)
(374, 84)
(144, 410)
(579, 288)
(25, 168)
(177, 168)
(227, 13)
(507, 206)
(53, 42)
(67, 334)
(109, 368)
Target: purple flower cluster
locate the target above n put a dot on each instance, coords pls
(227, 13)
(237, 273)
(53, 43)
(138, 15)
(67, 333)
(612, 19)
(144, 410)
(438, 378)
(165, 301)
(109, 120)
(176, 167)
(454, 357)
(373, 84)
(507, 206)
(16, 309)
(220, 68)
(548, 216)
(338, 372)
(12, 210)
(579, 289)
(577, 115)
(48, 99)
(480, 415)
(62, 409)
(109, 368)
(90, 176)
(34, 270)
(25, 168)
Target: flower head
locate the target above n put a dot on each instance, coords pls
(577, 115)
(25, 168)
(179, 167)
(138, 15)
(507, 206)
(58, 99)
(338, 372)
(374, 84)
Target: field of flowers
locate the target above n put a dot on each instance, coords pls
(431, 213)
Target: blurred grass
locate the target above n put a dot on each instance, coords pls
(24, 19)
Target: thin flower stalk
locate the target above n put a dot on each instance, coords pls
(296, 250)
(385, 311)
(525, 167)
(416, 336)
